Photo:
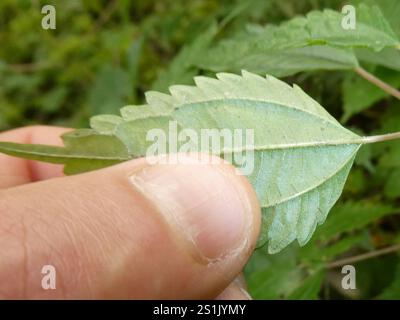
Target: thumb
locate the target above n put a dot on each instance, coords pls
(134, 230)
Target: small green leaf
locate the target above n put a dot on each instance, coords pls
(273, 276)
(278, 62)
(105, 124)
(391, 189)
(392, 292)
(84, 150)
(163, 106)
(359, 94)
(317, 255)
(390, 9)
(309, 289)
(351, 216)
(388, 57)
(372, 29)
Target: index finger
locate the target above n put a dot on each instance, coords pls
(15, 171)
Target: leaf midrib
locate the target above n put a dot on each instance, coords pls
(62, 152)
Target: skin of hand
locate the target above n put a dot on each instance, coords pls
(130, 231)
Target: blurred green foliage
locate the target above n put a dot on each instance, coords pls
(106, 54)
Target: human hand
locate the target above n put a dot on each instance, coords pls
(131, 231)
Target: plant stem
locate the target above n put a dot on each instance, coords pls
(378, 82)
(364, 256)
(381, 138)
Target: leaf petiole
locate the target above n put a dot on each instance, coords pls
(380, 138)
(378, 82)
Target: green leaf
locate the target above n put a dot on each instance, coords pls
(317, 254)
(105, 123)
(389, 153)
(317, 41)
(392, 185)
(390, 9)
(359, 94)
(163, 103)
(388, 57)
(364, 159)
(302, 155)
(342, 246)
(325, 27)
(310, 288)
(392, 292)
(372, 29)
(351, 216)
(278, 62)
(273, 276)
(84, 150)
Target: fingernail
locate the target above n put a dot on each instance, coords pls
(235, 291)
(207, 204)
(241, 284)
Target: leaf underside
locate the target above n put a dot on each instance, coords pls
(302, 155)
(313, 42)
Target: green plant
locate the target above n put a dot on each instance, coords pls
(354, 74)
